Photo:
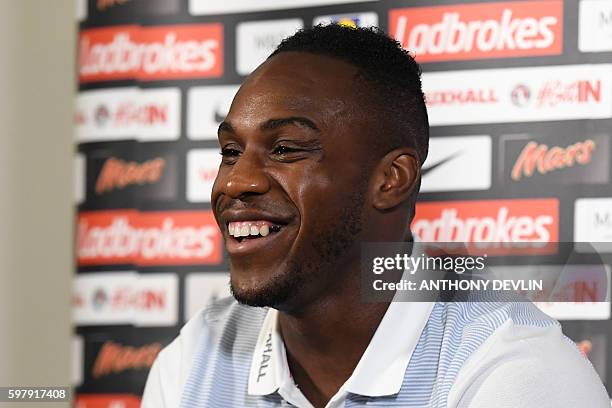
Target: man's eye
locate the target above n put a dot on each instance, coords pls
(229, 152)
(280, 150)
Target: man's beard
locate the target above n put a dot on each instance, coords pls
(322, 266)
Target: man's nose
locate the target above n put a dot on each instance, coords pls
(247, 176)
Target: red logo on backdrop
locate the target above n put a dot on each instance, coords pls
(115, 358)
(127, 299)
(105, 4)
(117, 174)
(554, 93)
(147, 238)
(129, 113)
(542, 159)
(475, 96)
(484, 30)
(107, 401)
(497, 222)
(151, 53)
(585, 347)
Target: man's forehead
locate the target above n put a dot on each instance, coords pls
(289, 101)
(299, 82)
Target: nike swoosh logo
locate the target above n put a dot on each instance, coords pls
(218, 116)
(431, 167)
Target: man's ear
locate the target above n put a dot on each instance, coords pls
(395, 178)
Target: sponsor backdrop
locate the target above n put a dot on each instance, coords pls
(520, 101)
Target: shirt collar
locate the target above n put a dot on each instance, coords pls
(392, 345)
(381, 369)
(266, 366)
(379, 372)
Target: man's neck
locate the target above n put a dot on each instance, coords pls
(326, 340)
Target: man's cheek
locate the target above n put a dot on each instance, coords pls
(217, 186)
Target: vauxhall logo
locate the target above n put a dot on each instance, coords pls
(266, 355)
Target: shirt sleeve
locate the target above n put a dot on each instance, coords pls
(528, 367)
(162, 389)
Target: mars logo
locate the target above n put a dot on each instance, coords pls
(115, 358)
(585, 347)
(116, 181)
(558, 158)
(497, 222)
(119, 174)
(520, 95)
(541, 158)
(151, 53)
(473, 31)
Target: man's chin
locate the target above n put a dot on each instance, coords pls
(263, 293)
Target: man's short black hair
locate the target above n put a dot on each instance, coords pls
(391, 72)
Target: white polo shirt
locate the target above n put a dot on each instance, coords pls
(454, 355)
(387, 355)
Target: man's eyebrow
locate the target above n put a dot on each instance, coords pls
(225, 127)
(292, 120)
(275, 124)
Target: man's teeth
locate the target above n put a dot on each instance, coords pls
(244, 229)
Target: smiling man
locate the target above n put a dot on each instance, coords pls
(322, 149)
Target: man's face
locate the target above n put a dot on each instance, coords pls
(292, 178)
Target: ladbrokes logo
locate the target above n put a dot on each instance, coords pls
(492, 221)
(117, 174)
(493, 30)
(115, 358)
(107, 401)
(147, 238)
(151, 53)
